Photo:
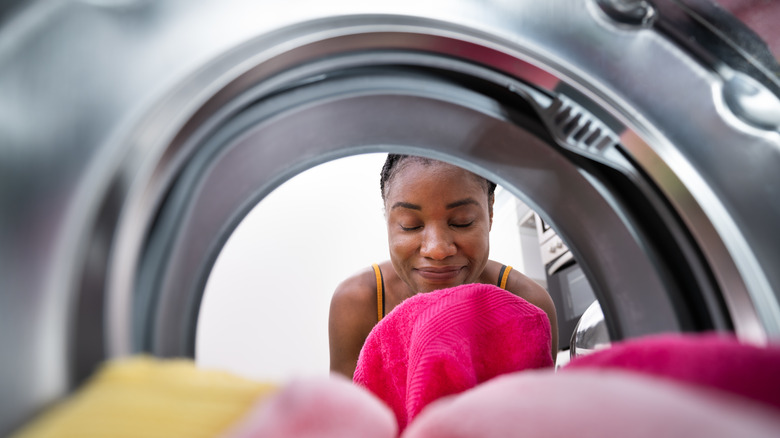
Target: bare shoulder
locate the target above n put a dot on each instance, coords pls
(356, 290)
(352, 316)
(531, 291)
(353, 304)
(517, 283)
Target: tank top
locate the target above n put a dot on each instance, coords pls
(503, 276)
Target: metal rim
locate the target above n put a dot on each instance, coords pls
(352, 38)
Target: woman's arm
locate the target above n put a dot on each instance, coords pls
(535, 294)
(352, 316)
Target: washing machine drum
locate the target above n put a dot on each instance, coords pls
(135, 135)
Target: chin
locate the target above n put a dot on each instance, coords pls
(432, 288)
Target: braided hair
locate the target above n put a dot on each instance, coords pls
(395, 162)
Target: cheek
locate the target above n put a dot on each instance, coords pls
(401, 245)
(477, 246)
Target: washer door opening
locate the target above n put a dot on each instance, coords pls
(516, 135)
(265, 308)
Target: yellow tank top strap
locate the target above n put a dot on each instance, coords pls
(380, 299)
(503, 276)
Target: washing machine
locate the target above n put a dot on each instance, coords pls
(135, 135)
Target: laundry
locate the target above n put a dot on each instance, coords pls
(718, 361)
(173, 398)
(445, 342)
(151, 398)
(707, 384)
(664, 385)
(588, 402)
(318, 407)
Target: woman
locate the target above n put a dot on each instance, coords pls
(438, 219)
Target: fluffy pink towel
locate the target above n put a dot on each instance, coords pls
(444, 342)
(586, 403)
(716, 361)
(318, 408)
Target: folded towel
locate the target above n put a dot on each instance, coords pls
(717, 361)
(318, 407)
(444, 342)
(147, 397)
(587, 403)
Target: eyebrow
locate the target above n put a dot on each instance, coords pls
(406, 205)
(450, 206)
(461, 203)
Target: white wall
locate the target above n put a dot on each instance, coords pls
(265, 309)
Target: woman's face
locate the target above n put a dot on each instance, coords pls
(438, 220)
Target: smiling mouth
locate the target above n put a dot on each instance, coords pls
(439, 274)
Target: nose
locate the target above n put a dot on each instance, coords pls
(437, 243)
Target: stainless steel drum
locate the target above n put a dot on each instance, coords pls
(135, 134)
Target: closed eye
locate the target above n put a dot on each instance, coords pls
(465, 225)
(403, 228)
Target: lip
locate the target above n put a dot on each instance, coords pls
(439, 274)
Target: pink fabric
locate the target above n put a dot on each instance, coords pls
(444, 342)
(585, 403)
(711, 360)
(318, 407)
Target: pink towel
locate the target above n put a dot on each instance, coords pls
(587, 403)
(317, 407)
(444, 342)
(710, 360)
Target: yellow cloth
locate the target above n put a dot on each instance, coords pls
(149, 398)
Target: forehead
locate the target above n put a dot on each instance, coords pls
(434, 178)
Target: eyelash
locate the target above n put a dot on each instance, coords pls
(463, 225)
(419, 227)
